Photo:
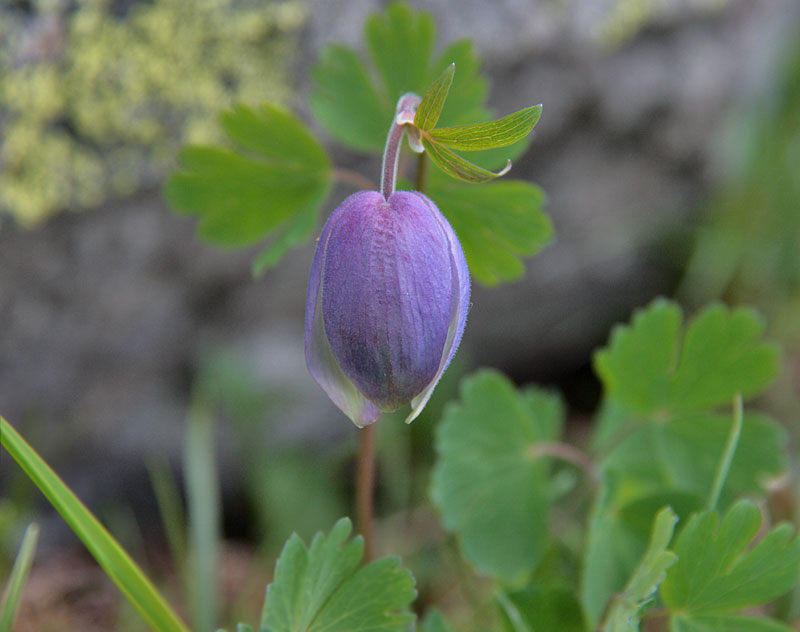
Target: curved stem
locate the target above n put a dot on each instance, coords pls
(565, 452)
(365, 488)
(404, 115)
(727, 455)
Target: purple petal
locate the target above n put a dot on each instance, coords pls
(459, 308)
(387, 294)
(319, 359)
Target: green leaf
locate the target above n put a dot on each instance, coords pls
(488, 484)
(243, 627)
(541, 608)
(651, 371)
(672, 463)
(491, 134)
(116, 563)
(465, 100)
(400, 43)
(497, 223)
(726, 623)
(297, 230)
(357, 109)
(12, 594)
(720, 573)
(345, 101)
(321, 588)
(457, 167)
(683, 453)
(628, 606)
(275, 180)
(430, 108)
(433, 622)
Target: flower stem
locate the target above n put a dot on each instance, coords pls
(365, 488)
(404, 115)
(728, 454)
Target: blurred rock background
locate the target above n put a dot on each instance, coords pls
(110, 316)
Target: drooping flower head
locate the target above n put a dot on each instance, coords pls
(387, 303)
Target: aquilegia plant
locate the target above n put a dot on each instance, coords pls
(662, 523)
(388, 295)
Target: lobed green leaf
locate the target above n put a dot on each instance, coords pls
(488, 483)
(272, 183)
(400, 43)
(718, 573)
(321, 588)
(652, 372)
(671, 463)
(497, 223)
(356, 105)
(345, 101)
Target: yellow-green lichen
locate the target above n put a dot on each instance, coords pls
(94, 104)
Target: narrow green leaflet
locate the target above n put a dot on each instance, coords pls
(457, 167)
(272, 182)
(356, 105)
(430, 109)
(628, 606)
(541, 608)
(488, 483)
(116, 563)
(497, 224)
(321, 588)
(465, 100)
(12, 594)
(650, 370)
(500, 133)
(720, 573)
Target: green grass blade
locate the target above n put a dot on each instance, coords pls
(204, 511)
(170, 506)
(117, 564)
(12, 595)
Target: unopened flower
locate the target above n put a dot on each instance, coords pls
(387, 303)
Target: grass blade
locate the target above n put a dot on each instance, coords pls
(204, 512)
(117, 564)
(12, 595)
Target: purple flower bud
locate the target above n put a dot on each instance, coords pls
(387, 303)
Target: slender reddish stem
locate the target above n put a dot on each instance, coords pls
(365, 488)
(406, 107)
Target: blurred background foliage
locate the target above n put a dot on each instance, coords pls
(96, 96)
